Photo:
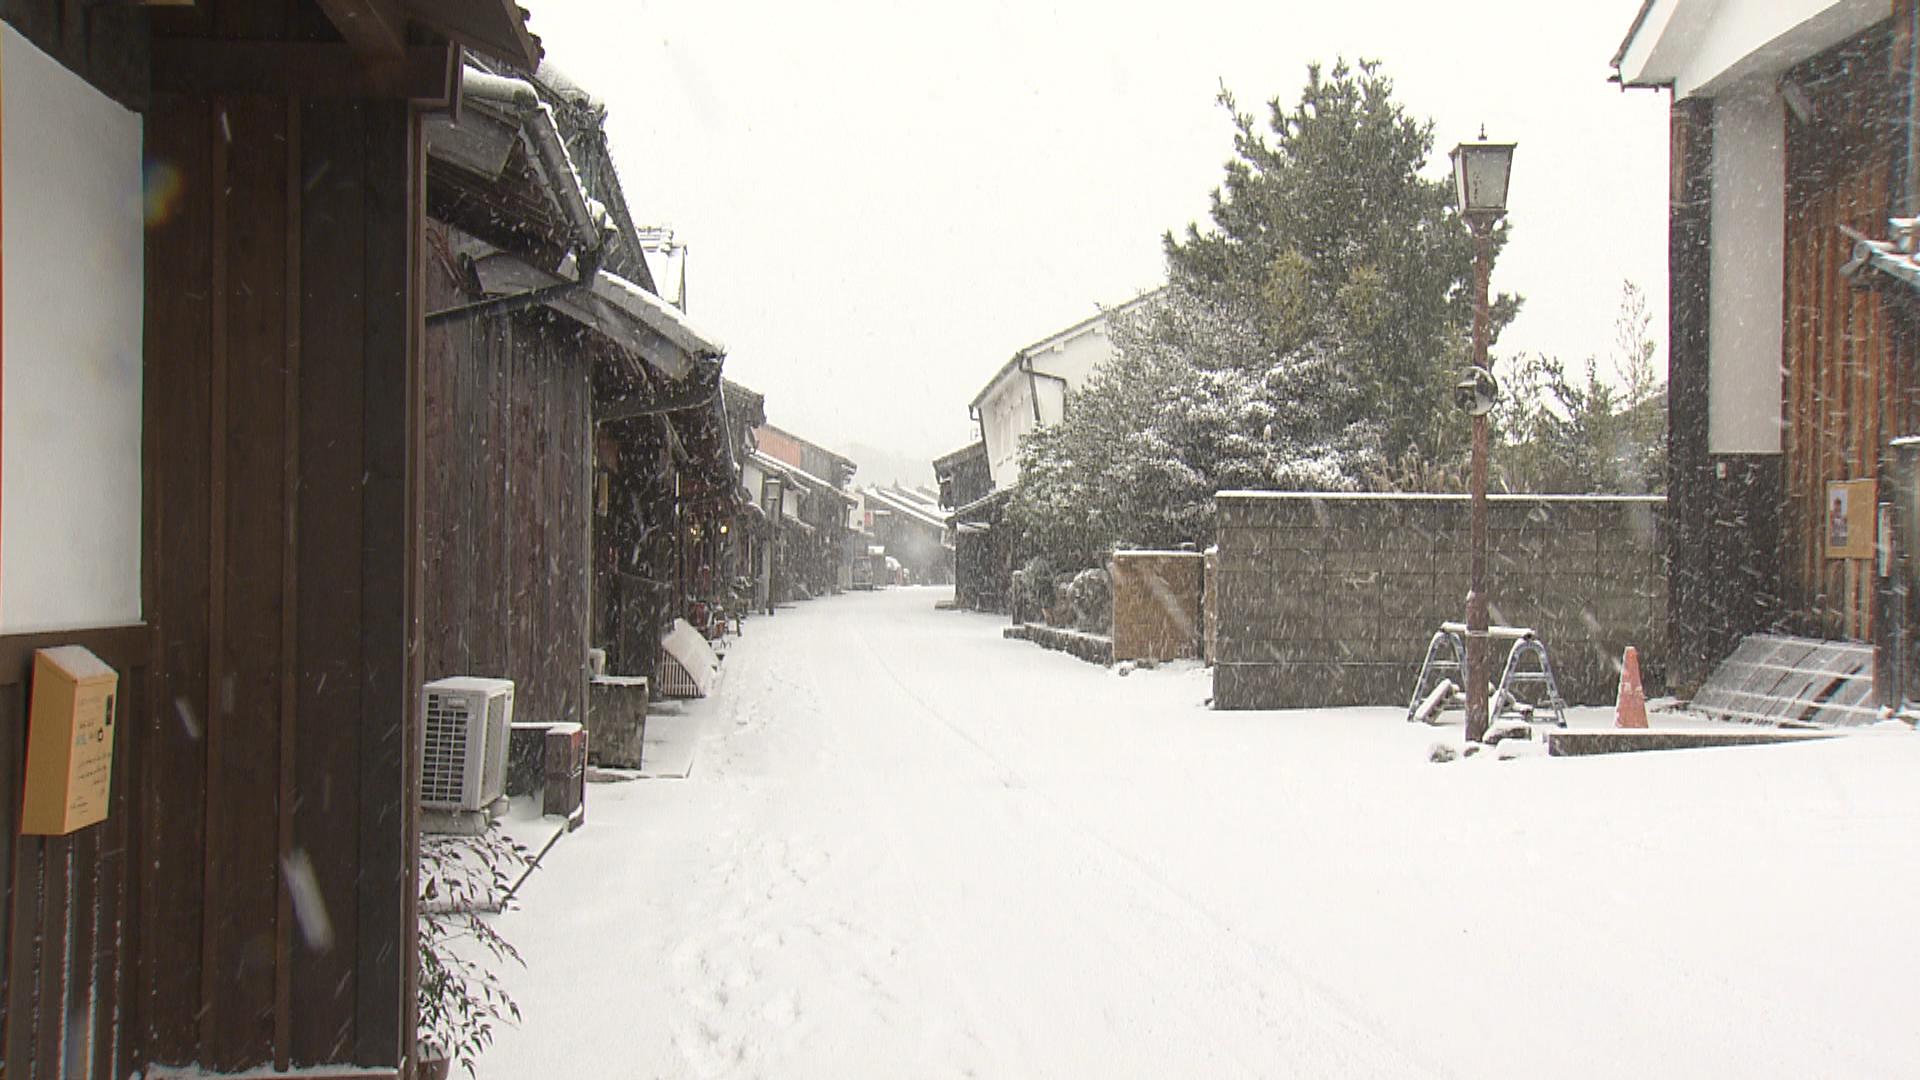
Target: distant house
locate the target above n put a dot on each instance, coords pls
(911, 527)
(1029, 392)
(803, 490)
(981, 558)
(748, 538)
(1793, 336)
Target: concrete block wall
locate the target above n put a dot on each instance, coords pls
(1156, 604)
(1210, 606)
(1332, 599)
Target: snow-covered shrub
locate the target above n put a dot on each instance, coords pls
(1031, 591)
(461, 994)
(1092, 592)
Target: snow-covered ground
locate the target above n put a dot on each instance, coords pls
(908, 848)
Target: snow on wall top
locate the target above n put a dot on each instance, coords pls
(1418, 496)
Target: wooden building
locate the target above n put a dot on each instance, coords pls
(742, 550)
(808, 535)
(1792, 362)
(982, 547)
(554, 409)
(910, 526)
(1028, 392)
(249, 904)
(816, 551)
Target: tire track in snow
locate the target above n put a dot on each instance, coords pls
(1340, 1018)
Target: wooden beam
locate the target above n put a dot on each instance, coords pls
(375, 28)
(319, 72)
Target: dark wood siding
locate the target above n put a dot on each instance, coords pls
(270, 703)
(510, 456)
(1846, 392)
(279, 357)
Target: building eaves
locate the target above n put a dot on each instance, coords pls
(619, 310)
(1639, 21)
(894, 502)
(970, 513)
(1059, 337)
(839, 459)
(796, 473)
(947, 462)
(497, 28)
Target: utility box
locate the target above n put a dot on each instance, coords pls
(69, 741)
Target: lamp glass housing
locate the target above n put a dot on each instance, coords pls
(1480, 174)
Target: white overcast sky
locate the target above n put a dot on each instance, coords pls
(883, 201)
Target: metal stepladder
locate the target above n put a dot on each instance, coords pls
(1447, 653)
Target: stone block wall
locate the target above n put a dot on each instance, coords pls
(1328, 600)
(1156, 604)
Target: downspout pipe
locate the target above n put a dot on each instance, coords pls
(1034, 375)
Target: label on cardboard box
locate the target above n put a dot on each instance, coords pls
(70, 727)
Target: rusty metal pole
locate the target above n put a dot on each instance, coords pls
(1477, 674)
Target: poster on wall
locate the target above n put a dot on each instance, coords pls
(1848, 521)
(72, 295)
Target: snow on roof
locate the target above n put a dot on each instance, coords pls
(806, 478)
(895, 502)
(1421, 496)
(996, 495)
(662, 317)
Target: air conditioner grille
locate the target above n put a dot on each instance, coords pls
(443, 772)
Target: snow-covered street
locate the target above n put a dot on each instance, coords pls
(910, 848)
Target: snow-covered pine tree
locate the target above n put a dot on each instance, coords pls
(1306, 341)
(1326, 228)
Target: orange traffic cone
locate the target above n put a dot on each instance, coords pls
(1630, 708)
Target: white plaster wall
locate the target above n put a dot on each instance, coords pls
(1075, 359)
(1744, 324)
(1052, 396)
(71, 299)
(1005, 415)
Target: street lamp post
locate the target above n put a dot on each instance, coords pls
(1480, 171)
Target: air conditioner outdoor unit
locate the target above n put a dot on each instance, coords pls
(467, 722)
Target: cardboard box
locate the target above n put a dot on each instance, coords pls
(69, 741)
